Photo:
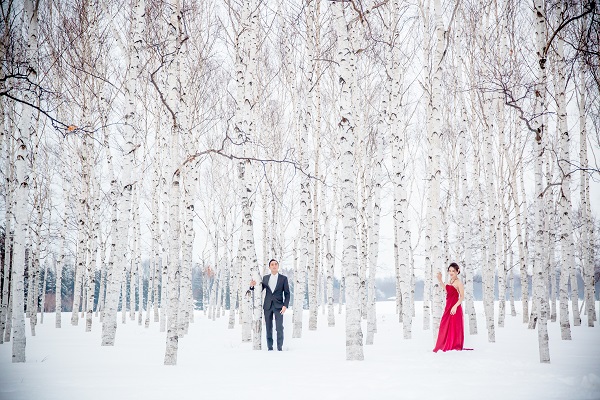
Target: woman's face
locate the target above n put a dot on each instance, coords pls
(452, 272)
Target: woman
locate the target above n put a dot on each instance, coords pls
(451, 334)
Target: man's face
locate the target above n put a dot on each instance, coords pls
(274, 267)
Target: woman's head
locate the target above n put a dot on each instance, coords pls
(453, 269)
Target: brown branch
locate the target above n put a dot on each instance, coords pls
(55, 122)
(512, 103)
(16, 76)
(447, 31)
(160, 93)
(592, 6)
(221, 152)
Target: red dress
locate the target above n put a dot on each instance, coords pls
(451, 335)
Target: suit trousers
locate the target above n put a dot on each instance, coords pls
(278, 325)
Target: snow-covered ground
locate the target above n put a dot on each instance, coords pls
(69, 363)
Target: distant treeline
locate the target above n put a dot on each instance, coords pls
(385, 286)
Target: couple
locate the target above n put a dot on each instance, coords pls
(277, 300)
(450, 334)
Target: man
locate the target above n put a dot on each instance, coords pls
(277, 300)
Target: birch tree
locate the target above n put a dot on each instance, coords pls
(346, 60)
(109, 326)
(173, 103)
(25, 133)
(434, 156)
(564, 203)
(540, 290)
(244, 129)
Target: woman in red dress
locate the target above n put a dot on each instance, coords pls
(452, 334)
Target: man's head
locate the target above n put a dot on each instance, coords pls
(274, 266)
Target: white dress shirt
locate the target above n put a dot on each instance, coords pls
(273, 281)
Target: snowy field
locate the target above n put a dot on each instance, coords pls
(69, 363)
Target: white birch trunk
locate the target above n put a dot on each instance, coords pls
(125, 285)
(44, 288)
(346, 60)
(165, 190)
(102, 284)
(491, 244)
(428, 272)
(502, 266)
(465, 237)
(549, 240)
(109, 326)
(190, 181)
(8, 234)
(235, 286)
(133, 272)
(540, 284)
(299, 284)
(480, 231)
(155, 252)
(21, 228)
(309, 200)
(138, 255)
(511, 279)
(33, 292)
(245, 128)
(93, 237)
(174, 41)
(587, 236)
(174, 267)
(525, 279)
(363, 190)
(522, 258)
(301, 274)
(434, 212)
(329, 259)
(7, 269)
(374, 225)
(397, 265)
(402, 232)
(501, 210)
(25, 132)
(58, 271)
(81, 253)
(152, 299)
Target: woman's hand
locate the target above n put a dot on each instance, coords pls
(453, 310)
(439, 276)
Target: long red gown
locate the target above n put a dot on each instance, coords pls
(451, 335)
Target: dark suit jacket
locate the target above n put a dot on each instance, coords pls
(280, 297)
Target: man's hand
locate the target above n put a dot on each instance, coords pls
(252, 283)
(282, 310)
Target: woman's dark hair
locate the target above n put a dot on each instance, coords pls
(455, 266)
(272, 259)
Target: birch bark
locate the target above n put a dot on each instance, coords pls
(25, 132)
(8, 236)
(540, 291)
(434, 155)
(346, 61)
(109, 326)
(587, 231)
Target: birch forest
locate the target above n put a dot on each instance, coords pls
(156, 154)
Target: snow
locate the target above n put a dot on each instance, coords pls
(69, 363)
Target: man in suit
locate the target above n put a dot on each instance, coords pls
(277, 300)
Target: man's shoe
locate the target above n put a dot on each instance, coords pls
(270, 349)
(278, 349)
